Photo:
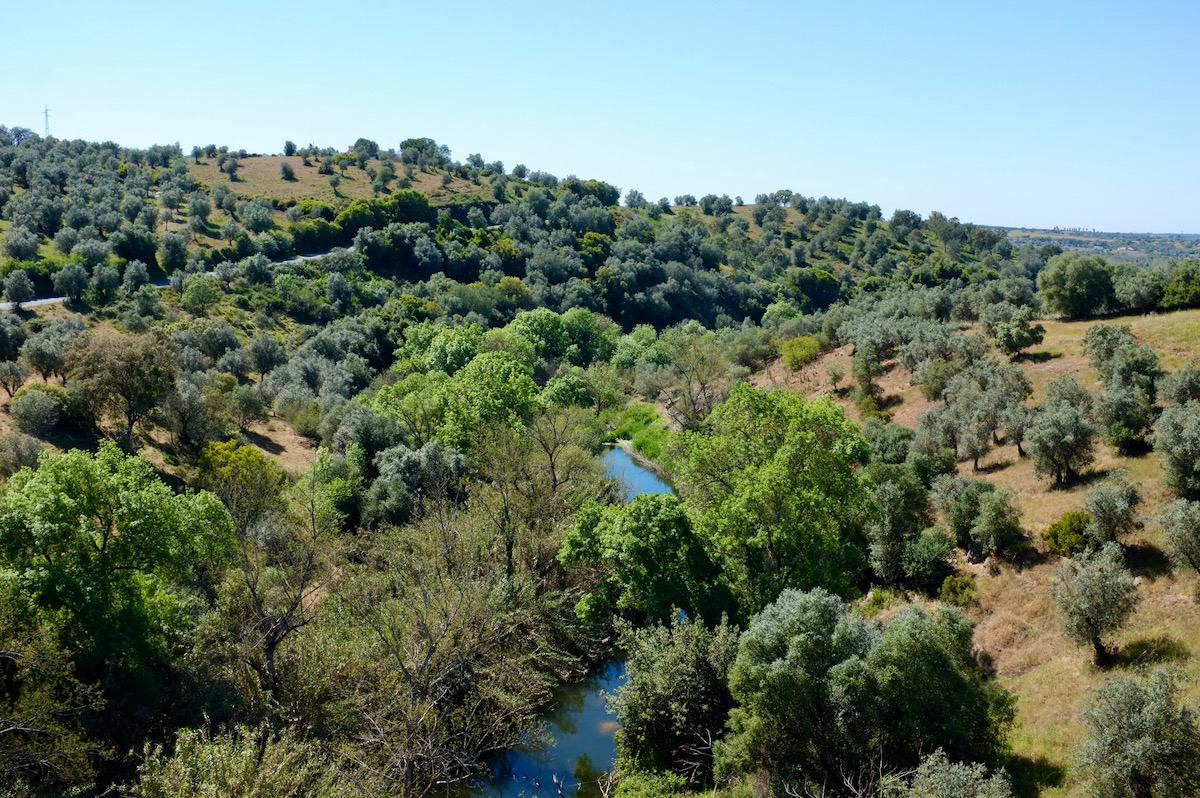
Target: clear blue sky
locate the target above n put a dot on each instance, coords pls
(1076, 114)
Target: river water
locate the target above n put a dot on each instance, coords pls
(578, 721)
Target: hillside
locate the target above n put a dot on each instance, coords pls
(375, 536)
(1015, 616)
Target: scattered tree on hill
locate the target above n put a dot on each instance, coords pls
(819, 692)
(1112, 508)
(1182, 386)
(289, 148)
(18, 288)
(21, 243)
(1095, 595)
(287, 172)
(1177, 440)
(1015, 334)
(1180, 521)
(1141, 742)
(13, 374)
(1061, 436)
(130, 374)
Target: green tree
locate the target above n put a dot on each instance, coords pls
(99, 543)
(200, 292)
(172, 252)
(675, 698)
(1076, 286)
(1015, 334)
(129, 374)
(289, 148)
(41, 703)
(1177, 440)
(1112, 507)
(492, 389)
(1180, 521)
(1062, 437)
(1141, 742)
(697, 373)
(1095, 595)
(997, 527)
(778, 494)
(655, 564)
(246, 406)
(287, 172)
(18, 288)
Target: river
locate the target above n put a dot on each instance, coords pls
(583, 749)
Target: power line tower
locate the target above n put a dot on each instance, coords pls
(46, 113)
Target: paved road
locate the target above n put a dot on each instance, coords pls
(58, 300)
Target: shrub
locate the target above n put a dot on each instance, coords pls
(800, 351)
(1070, 534)
(34, 413)
(925, 559)
(958, 591)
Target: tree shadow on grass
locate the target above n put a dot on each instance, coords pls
(1030, 775)
(1147, 560)
(1154, 650)
(1037, 357)
(262, 442)
(1083, 480)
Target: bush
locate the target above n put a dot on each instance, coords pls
(34, 413)
(1070, 534)
(925, 560)
(800, 351)
(958, 591)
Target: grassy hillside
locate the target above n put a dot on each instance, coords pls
(260, 176)
(1016, 618)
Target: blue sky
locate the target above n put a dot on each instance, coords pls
(1022, 113)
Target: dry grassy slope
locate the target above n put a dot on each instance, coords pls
(1016, 620)
(260, 177)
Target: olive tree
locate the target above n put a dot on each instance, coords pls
(1177, 440)
(1141, 742)
(1062, 437)
(1112, 505)
(71, 281)
(21, 243)
(18, 287)
(1095, 595)
(1180, 521)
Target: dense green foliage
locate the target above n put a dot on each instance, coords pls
(819, 691)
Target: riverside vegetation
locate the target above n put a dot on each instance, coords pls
(338, 527)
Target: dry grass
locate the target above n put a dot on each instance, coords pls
(260, 177)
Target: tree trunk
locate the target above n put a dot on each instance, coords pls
(1101, 656)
